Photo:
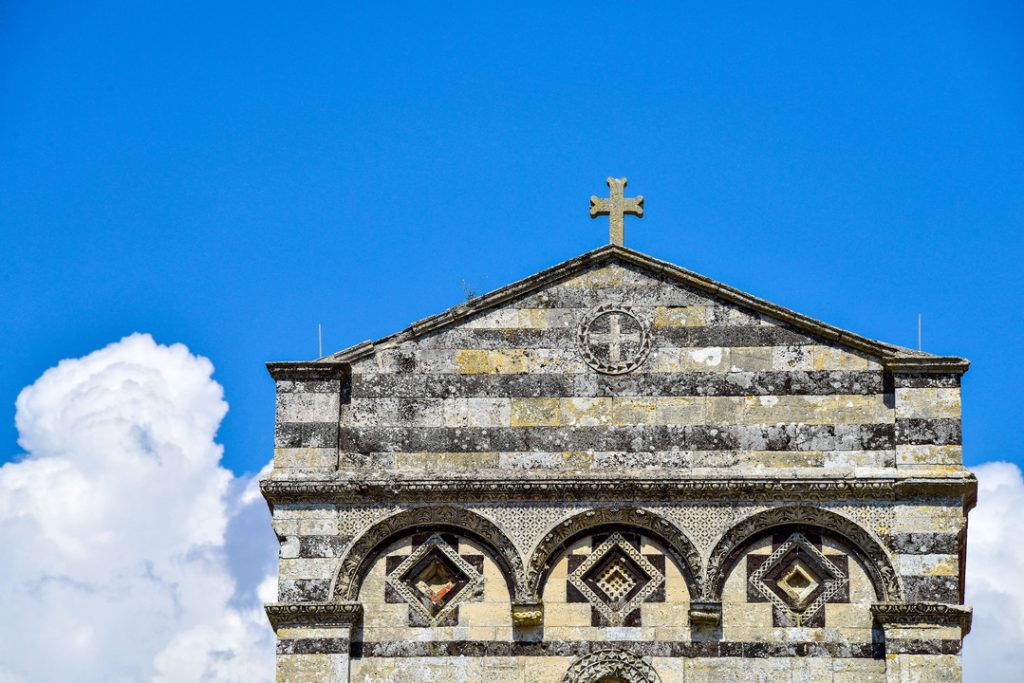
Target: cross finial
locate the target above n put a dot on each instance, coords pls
(615, 207)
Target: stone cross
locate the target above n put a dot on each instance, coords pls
(615, 207)
(614, 336)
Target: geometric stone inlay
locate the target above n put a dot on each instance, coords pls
(616, 579)
(798, 579)
(613, 340)
(434, 579)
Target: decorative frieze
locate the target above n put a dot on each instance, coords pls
(314, 614)
(822, 489)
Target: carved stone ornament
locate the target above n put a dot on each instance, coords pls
(798, 579)
(727, 551)
(528, 614)
(677, 545)
(616, 579)
(917, 613)
(705, 614)
(434, 579)
(314, 614)
(356, 563)
(615, 665)
(613, 339)
(822, 489)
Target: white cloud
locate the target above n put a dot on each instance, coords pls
(122, 533)
(994, 651)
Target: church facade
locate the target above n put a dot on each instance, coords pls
(620, 470)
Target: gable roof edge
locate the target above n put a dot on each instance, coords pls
(894, 358)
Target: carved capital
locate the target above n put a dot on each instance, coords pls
(705, 614)
(528, 614)
(314, 614)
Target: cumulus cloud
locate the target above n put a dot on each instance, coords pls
(995, 565)
(120, 528)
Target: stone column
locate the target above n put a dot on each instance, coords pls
(923, 640)
(313, 640)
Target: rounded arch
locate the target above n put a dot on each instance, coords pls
(360, 556)
(677, 544)
(611, 664)
(876, 560)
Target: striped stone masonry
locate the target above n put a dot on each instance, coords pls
(620, 466)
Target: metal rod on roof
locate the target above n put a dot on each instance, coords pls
(320, 339)
(918, 331)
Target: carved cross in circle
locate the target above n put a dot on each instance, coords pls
(614, 337)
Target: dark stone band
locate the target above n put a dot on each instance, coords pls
(777, 437)
(924, 380)
(672, 337)
(924, 543)
(688, 649)
(313, 646)
(663, 488)
(944, 589)
(928, 431)
(588, 385)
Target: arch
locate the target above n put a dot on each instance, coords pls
(876, 560)
(360, 556)
(611, 664)
(676, 543)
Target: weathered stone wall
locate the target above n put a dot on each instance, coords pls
(783, 503)
(722, 388)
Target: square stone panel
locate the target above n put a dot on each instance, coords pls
(615, 579)
(433, 580)
(798, 579)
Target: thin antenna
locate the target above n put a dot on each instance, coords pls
(918, 331)
(320, 339)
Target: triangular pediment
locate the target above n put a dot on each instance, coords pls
(638, 276)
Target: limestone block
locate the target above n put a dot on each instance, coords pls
(306, 568)
(308, 407)
(634, 410)
(750, 358)
(819, 358)
(928, 402)
(680, 316)
(928, 565)
(574, 615)
(706, 359)
(929, 668)
(305, 458)
(682, 410)
(929, 456)
(311, 668)
(585, 411)
(535, 412)
(848, 670)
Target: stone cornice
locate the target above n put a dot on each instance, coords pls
(664, 489)
(923, 613)
(892, 356)
(314, 614)
(307, 370)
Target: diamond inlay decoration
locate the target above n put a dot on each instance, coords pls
(434, 579)
(798, 579)
(616, 579)
(799, 582)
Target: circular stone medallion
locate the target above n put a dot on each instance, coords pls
(613, 339)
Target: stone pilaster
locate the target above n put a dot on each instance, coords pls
(923, 640)
(313, 640)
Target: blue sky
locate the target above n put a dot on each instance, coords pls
(229, 176)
